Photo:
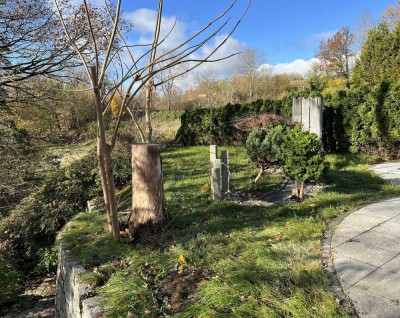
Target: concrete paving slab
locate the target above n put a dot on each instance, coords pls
(349, 231)
(380, 240)
(393, 265)
(366, 253)
(363, 253)
(351, 271)
(370, 305)
(337, 240)
(383, 283)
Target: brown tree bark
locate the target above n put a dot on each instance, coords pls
(104, 160)
(149, 100)
(259, 175)
(301, 195)
(149, 211)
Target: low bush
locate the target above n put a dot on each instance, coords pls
(302, 158)
(264, 148)
(31, 226)
(9, 276)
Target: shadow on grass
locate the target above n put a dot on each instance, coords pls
(349, 188)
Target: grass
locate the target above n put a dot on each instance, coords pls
(238, 261)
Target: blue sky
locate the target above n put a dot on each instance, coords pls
(287, 31)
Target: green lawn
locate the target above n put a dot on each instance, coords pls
(220, 259)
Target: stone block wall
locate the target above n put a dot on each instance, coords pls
(73, 298)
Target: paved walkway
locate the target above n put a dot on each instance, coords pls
(366, 253)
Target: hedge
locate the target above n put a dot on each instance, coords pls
(204, 126)
(363, 119)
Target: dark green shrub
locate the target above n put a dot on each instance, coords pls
(368, 123)
(264, 148)
(392, 109)
(9, 276)
(33, 224)
(334, 135)
(301, 157)
(204, 126)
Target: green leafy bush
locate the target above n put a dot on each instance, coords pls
(302, 158)
(264, 148)
(33, 224)
(204, 126)
(9, 276)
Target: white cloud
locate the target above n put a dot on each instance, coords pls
(299, 66)
(144, 22)
(223, 68)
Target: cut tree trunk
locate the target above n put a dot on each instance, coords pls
(149, 213)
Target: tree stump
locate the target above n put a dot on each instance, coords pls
(149, 211)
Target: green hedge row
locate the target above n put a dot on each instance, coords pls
(362, 119)
(204, 126)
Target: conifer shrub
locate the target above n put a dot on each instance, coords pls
(302, 158)
(263, 147)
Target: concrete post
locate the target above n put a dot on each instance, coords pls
(216, 180)
(225, 171)
(213, 154)
(305, 113)
(296, 110)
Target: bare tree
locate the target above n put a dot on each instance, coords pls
(364, 24)
(169, 81)
(249, 68)
(148, 212)
(207, 86)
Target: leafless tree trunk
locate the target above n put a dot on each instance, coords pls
(104, 161)
(148, 104)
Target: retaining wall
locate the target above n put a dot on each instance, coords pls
(73, 298)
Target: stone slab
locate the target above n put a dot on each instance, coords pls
(351, 271)
(305, 114)
(296, 110)
(370, 305)
(383, 283)
(393, 265)
(380, 240)
(225, 171)
(213, 153)
(364, 253)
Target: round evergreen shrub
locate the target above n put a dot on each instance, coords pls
(302, 158)
(263, 147)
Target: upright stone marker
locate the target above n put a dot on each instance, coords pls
(225, 171)
(213, 154)
(305, 114)
(309, 112)
(216, 180)
(296, 110)
(316, 113)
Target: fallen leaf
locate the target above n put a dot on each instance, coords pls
(181, 259)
